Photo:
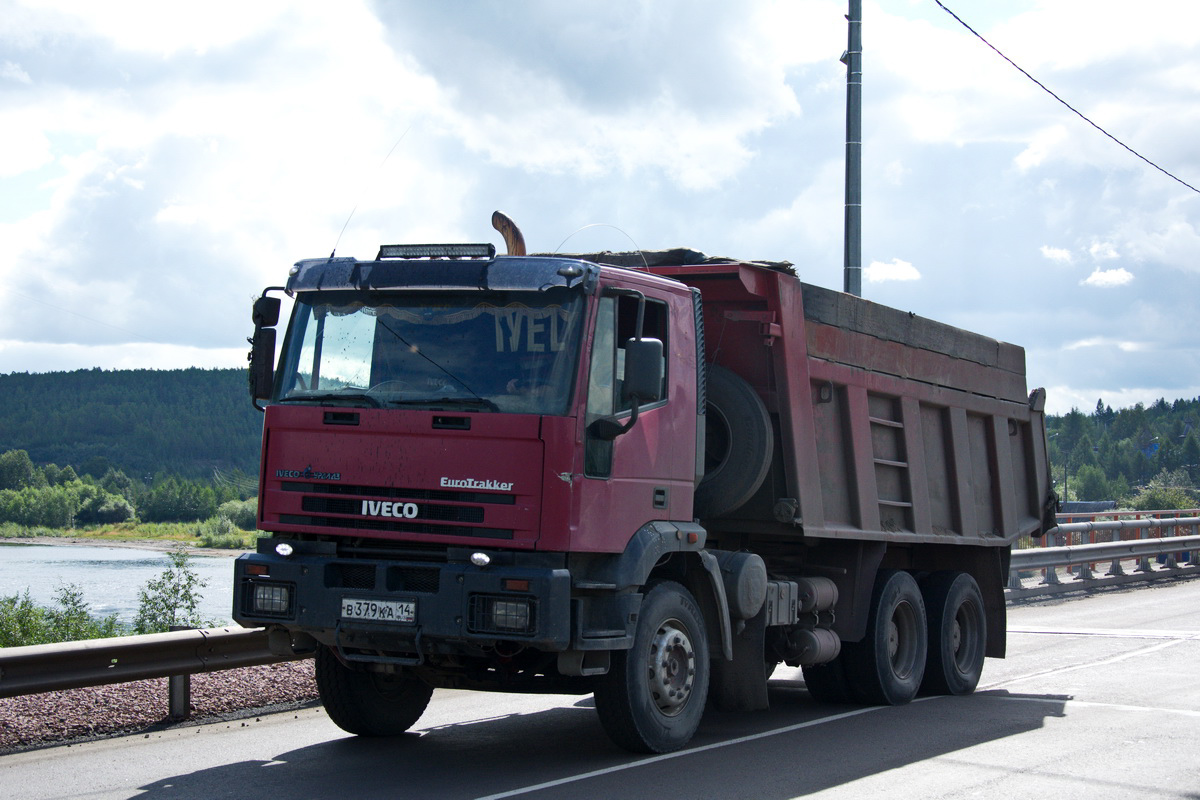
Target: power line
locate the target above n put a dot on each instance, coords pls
(1064, 102)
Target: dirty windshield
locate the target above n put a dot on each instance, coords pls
(511, 352)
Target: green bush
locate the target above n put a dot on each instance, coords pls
(242, 513)
(219, 532)
(22, 622)
(171, 599)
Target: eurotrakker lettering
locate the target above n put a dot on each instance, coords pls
(471, 483)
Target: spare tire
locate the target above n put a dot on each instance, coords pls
(738, 441)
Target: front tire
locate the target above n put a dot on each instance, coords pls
(653, 696)
(887, 666)
(957, 633)
(369, 703)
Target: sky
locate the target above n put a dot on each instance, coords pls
(162, 163)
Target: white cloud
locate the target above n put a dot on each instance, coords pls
(1103, 251)
(897, 270)
(1104, 341)
(1107, 278)
(13, 72)
(1056, 254)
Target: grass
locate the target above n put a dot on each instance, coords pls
(192, 534)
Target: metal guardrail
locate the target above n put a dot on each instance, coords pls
(179, 654)
(95, 662)
(1171, 550)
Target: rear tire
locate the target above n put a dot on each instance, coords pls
(887, 666)
(653, 696)
(369, 703)
(957, 633)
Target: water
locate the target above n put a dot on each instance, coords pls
(109, 577)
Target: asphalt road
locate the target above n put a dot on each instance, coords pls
(1099, 698)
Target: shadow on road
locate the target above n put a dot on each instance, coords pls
(797, 748)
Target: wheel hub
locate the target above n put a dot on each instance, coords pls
(672, 667)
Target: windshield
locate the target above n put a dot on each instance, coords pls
(513, 351)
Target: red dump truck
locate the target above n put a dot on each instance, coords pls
(651, 476)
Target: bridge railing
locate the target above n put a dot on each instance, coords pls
(1115, 538)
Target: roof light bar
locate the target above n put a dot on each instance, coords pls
(436, 251)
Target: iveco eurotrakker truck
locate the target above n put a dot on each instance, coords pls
(652, 476)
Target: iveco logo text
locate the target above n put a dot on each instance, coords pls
(471, 483)
(379, 508)
(308, 474)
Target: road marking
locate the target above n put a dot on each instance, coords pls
(1114, 660)
(1125, 633)
(1186, 712)
(693, 751)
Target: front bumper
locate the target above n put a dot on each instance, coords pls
(421, 606)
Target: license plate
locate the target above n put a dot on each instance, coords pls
(379, 610)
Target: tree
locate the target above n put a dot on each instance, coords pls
(1167, 490)
(16, 470)
(1090, 484)
(171, 599)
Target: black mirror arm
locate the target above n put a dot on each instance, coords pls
(608, 428)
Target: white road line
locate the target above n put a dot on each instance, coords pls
(1124, 633)
(1060, 670)
(693, 751)
(1186, 712)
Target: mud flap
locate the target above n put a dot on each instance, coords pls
(741, 683)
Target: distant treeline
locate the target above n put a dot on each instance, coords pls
(1144, 456)
(191, 423)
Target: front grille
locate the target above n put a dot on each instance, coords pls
(413, 579)
(360, 524)
(336, 505)
(352, 576)
(443, 495)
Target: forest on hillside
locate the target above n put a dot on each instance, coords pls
(1117, 455)
(198, 424)
(190, 423)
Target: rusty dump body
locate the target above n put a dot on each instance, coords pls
(892, 427)
(900, 441)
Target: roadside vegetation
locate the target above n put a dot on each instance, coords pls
(171, 599)
(48, 500)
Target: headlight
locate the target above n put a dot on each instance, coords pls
(271, 599)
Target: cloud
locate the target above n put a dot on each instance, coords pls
(1107, 278)
(13, 72)
(897, 270)
(1103, 251)
(1103, 341)
(1056, 254)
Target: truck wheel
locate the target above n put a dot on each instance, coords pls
(369, 703)
(738, 441)
(653, 696)
(886, 667)
(957, 633)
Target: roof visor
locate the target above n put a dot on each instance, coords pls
(502, 273)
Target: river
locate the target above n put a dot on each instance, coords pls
(109, 577)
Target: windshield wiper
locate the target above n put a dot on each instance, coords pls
(447, 401)
(340, 397)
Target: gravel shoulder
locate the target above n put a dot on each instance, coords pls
(90, 713)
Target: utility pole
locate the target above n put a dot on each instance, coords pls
(853, 231)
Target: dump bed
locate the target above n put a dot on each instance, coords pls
(890, 426)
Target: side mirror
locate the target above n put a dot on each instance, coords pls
(266, 312)
(262, 364)
(643, 371)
